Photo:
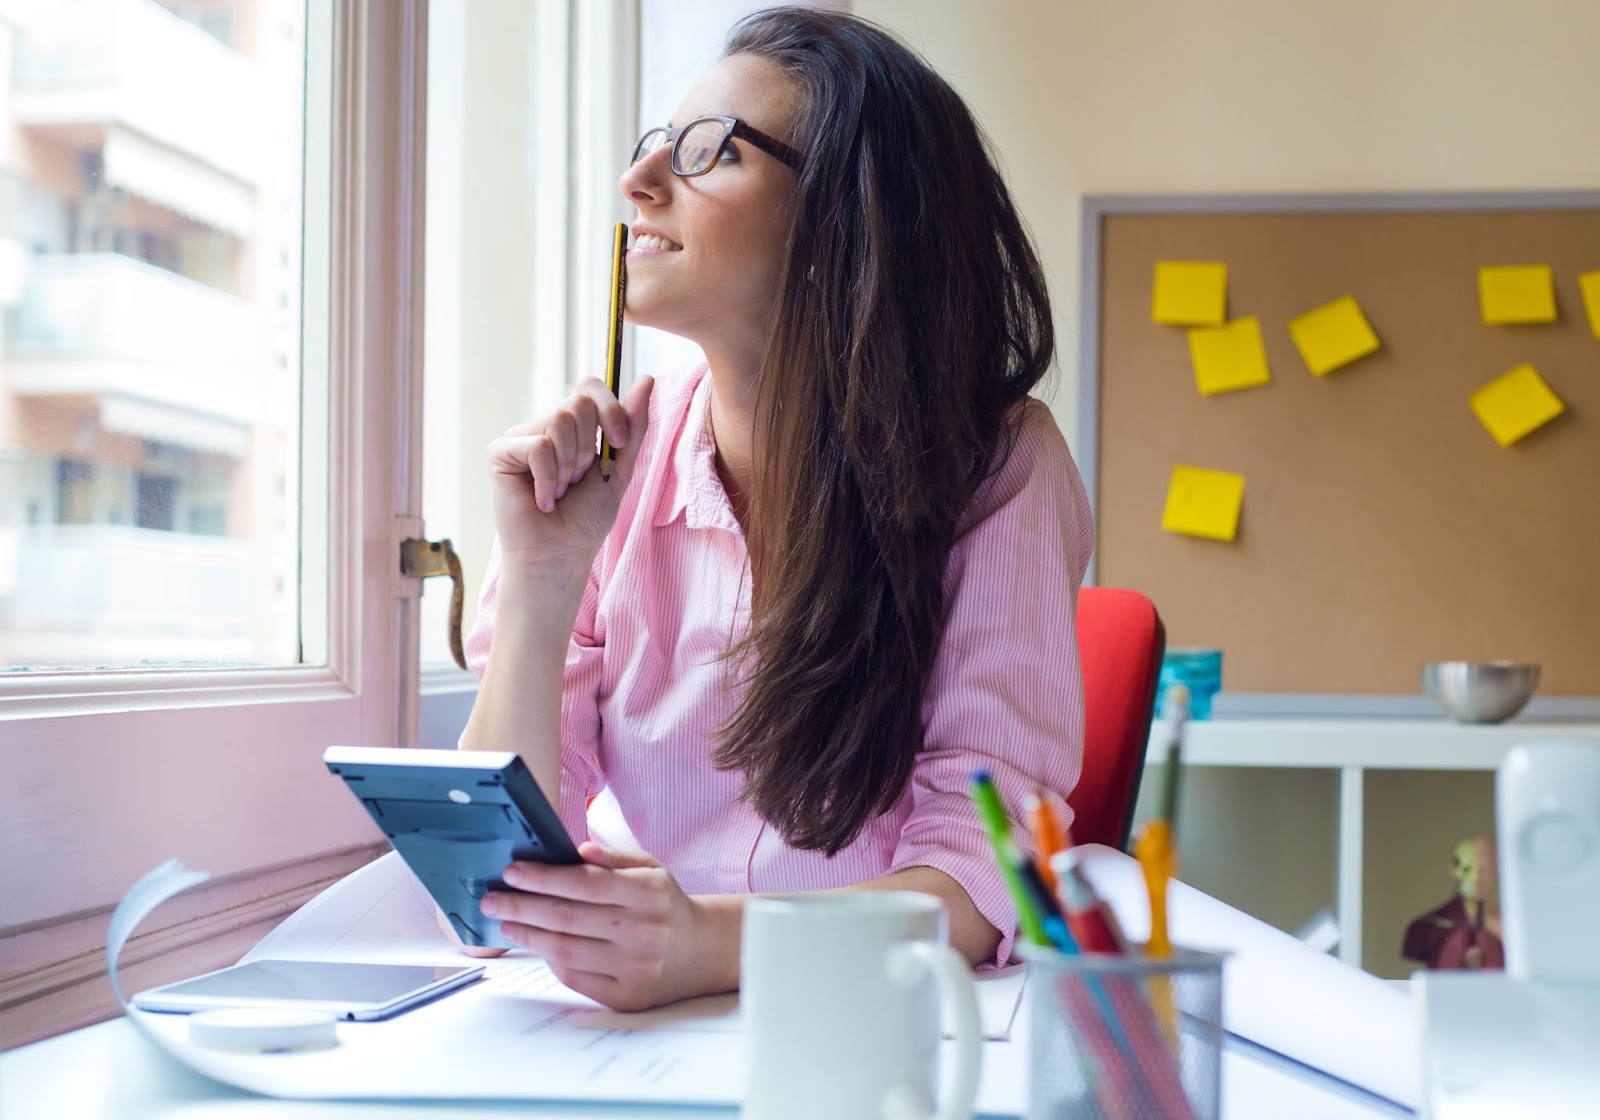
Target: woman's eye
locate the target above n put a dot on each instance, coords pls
(730, 153)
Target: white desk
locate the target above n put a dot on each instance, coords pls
(110, 1072)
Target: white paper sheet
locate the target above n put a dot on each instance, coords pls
(517, 1034)
(381, 913)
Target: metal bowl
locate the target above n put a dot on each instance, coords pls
(1480, 691)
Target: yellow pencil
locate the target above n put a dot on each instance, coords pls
(619, 285)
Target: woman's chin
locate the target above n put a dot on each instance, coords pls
(657, 314)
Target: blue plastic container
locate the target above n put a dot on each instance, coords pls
(1200, 669)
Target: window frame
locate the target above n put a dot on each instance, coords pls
(110, 774)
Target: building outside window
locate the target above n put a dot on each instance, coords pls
(150, 248)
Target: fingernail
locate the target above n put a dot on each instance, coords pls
(622, 435)
(489, 906)
(561, 491)
(513, 875)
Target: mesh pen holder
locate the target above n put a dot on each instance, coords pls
(1124, 1038)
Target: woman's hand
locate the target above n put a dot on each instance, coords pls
(619, 929)
(550, 503)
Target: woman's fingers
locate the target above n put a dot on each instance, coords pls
(557, 450)
(564, 951)
(610, 416)
(636, 409)
(540, 456)
(579, 882)
(563, 432)
(615, 975)
(600, 988)
(558, 915)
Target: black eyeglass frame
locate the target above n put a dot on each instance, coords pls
(733, 128)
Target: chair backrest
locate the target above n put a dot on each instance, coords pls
(1120, 643)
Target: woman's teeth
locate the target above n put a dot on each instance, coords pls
(651, 241)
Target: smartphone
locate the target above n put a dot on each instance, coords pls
(345, 989)
(457, 818)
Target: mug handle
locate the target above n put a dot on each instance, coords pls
(908, 962)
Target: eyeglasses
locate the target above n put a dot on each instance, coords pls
(698, 145)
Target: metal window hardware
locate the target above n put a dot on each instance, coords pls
(421, 559)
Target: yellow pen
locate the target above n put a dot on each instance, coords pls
(1156, 847)
(619, 286)
(1154, 851)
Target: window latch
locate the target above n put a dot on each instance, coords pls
(422, 559)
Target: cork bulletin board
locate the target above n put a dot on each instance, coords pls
(1381, 525)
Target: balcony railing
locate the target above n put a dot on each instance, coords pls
(133, 63)
(115, 594)
(148, 332)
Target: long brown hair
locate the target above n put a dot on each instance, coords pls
(911, 319)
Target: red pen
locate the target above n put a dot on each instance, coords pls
(1092, 924)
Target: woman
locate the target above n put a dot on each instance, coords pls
(834, 571)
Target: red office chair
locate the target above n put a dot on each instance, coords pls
(1120, 643)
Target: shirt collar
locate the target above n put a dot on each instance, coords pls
(697, 494)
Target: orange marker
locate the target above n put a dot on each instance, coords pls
(1047, 836)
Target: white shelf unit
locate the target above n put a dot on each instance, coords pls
(1353, 746)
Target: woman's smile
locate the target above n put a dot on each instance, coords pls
(651, 244)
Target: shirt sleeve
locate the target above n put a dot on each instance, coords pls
(1005, 693)
(581, 777)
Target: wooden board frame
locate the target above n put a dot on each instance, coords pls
(1098, 209)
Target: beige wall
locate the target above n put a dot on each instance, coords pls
(1157, 96)
(1150, 96)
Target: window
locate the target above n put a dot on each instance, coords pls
(140, 351)
(199, 478)
(518, 246)
(74, 492)
(252, 490)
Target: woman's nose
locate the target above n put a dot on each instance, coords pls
(647, 182)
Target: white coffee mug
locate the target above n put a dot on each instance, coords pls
(839, 996)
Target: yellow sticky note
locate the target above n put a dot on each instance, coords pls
(1514, 404)
(1229, 357)
(1190, 293)
(1203, 503)
(1517, 294)
(1589, 283)
(1332, 335)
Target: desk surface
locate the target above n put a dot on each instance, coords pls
(109, 1072)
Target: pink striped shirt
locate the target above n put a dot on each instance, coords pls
(645, 689)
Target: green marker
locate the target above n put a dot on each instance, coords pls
(998, 825)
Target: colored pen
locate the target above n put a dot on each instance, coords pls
(1093, 925)
(1047, 835)
(1176, 704)
(619, 285)
(998, 825)
(1154, 851)
(1155, 847)
(1051, 919)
